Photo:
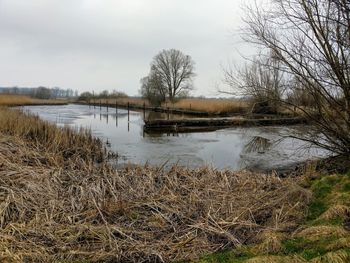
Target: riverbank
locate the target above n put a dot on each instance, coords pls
(61, 201)
(9, 100)
(322, 236)
(195, 107)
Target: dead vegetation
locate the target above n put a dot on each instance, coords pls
(212, 106)
(17, 100)
(57, 203)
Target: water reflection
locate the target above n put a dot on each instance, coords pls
(235, 148)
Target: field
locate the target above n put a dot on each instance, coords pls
(19, 100)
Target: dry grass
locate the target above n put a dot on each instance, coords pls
(340, 256)
(56, 203)
(335, 212)
(276, 259)
(63, 143)
(319, 232)
(17, 100)
(270, 243)
(213, 106)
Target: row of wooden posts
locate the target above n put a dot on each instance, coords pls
(128, 108)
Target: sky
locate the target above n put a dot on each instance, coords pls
(88, 45)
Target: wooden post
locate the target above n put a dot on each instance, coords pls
(144, 110)
(116, 107)
(100, 105)
(190, 106)
(107, 105)
(168, 113)
(128, 111)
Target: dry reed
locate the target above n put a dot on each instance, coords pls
(56, 203)
(213, 106)
(17, 100)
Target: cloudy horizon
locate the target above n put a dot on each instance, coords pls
(95, 45)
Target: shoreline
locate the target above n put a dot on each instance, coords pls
(62, 201)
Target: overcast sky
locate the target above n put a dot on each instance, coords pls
(90, 45)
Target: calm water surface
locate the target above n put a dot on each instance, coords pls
(221, 149)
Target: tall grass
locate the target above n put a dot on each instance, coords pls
(213, 106)
(62, 143)
(16, 100)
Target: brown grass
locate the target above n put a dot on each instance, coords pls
(319, 232)
(63, 143)
(17, 100)
(213, 106)
(58, 204)
(276, 259)
(340, 256)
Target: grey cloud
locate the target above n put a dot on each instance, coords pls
(93, 44)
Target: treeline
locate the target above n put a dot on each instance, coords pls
(86, 96)
(41, 92)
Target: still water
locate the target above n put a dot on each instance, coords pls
(234, 148)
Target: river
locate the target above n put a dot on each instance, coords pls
(235, 148)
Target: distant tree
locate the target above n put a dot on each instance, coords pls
(171, 71)
(85, 96)
(104, 94)
(118, 94)
(43, 93)
(153, 90)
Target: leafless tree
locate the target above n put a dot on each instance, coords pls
(261, 80)
(152, 89)
(174, 72)
(311, 39)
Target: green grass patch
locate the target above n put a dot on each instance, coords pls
(308, 249)
(346, 187)
(316, 208)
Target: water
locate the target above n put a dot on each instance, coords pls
(234, 148)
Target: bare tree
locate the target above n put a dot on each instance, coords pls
(311, 39)
(261, 80)
(174, 71)
(152, 89)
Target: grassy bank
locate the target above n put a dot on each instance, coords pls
(19, 100)
(62, 202)
(323, 237)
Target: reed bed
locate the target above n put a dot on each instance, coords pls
(65, 144)
(58, 204)
(213, 106)
(17, 100)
